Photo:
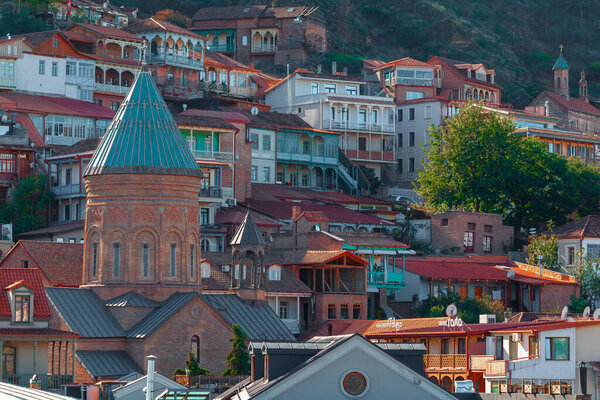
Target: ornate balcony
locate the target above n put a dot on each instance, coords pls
(445, 361)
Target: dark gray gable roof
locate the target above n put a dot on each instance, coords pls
(258, 322)
(247, 233)
(84, 312)
(107, 364)
(160, 315)
(131, 299)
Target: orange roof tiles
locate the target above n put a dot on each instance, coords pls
(33, 279)
(405, 62)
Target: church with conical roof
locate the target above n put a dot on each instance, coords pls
(142, 217)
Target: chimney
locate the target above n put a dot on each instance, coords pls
(150, 378)
(296, 211)
(319, 69)
(35, 382)
(333, 67)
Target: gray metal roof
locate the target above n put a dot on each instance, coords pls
(258, 322)
(158, 316)
(84, 312)
(107, 364)
(401, 346)
(14, 392)
(131, 299)
(247, 233)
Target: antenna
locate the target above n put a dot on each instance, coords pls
(563, 314)
(586, 312)
(451, 311)
(596, 314)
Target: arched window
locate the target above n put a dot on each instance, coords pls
(195, 347)
(564, 83)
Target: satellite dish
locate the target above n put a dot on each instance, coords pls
(563, 314)
(254, 110)
(596, 314)
(510, 273)
(451, 311)
(586, 312)
(4, 118)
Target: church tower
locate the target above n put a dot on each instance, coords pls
(141, 223)
(583, 87)
(247, 254)
(561, 75)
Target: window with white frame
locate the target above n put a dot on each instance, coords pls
(266, 142)
(329, 88)
(351, 89)
(274, 273)
(314, 88)
(22, 308)
(42, 67)
(7, 69)
(570, 255)
(593, 250)
(205, 270)
(254, 173)
(54, 69)
(71, 68)
(410, 95)
(284, 307)
(266, 174)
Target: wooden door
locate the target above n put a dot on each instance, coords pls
(478, 292)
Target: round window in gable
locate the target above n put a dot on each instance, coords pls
(354, 384)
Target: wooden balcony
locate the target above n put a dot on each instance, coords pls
(496, 368)
(445, 361)
(479, 362)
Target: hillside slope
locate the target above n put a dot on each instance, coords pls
(519, 38)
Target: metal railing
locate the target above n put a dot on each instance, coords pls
(223, 48)
(7, 81)
(47, 381)
(217, 155)
(380, 277)
(65, 189)
(211, 191)
(351, 125)
(414, 81)
(179, 60)
(446, 361)
(105, 87)
(264, 48)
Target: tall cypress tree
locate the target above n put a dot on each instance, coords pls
(237, 359)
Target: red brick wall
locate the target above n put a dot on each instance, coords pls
(243, 164)
(552, 296)
(15, 258)
(323, 300)
(429, 91)
(106, 98)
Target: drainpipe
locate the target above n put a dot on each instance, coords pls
(150, 378)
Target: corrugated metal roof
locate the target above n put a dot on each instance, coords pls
(131, 299)
(157, 317)
(258, 322)
(107, 364)
(84, 312)
(247, 233)
(14, 392)
(143, 137)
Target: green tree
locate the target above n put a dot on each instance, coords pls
(237, 359)
(587, 271)
(28, 208)
(546, 246)
(191, 364)
(372, 177)
(469, 308)
(18, 22)
(173, 17)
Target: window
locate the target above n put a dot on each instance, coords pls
(593, 250)
(22, 308)
(114, 105)
(331, 311)
(205, 270)
(94, 258)
(7, 69)
(244, 40)
(488, 228)
(195, 347)
(444, 222)
(304, 180)
(399, 166)
(9, 359)
(67, 176)
(414, 95)
(356, 311)
(570, 255)
(400, 115)
(400, 139)
(54, 69)
(351, 90)
(374, 116)
(498, 354)
(116, 258)
(266, 174)
(71, 68)
(461, 346)
(204, 216)
(468, 241)
(192, 260)
(427, 112)
(314, 88)
(487, 244)
(534, 350)
(274, 273)
(173, 258)
(411, 114)
(253, 174)
(344, 311)
(362, 144)
(24, 264)
(471, 226)
(411, 164)
(305, 147)
(332, 113)
(294, 180)
(445, 347)
(145, 259)
(42, 67)
(329, 88)
(86, 70)
(55, 43)
(67, 212)
(125, 53)
(283, 309)
(411, 139)
(557, 349)
(254, 140)
(266, 142)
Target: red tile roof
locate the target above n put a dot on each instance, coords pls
(34, 104)
(555, 133)
(372, 64)
(270, 192)
(34, 135)
(229, 116)
(236, 217)
(586, 227)
(405, 62)
(39, 332)
(573, 104)
(220, 59)
(61, 263)
(33, 278)
(287, 12)
(548, 326)
(109, 31)
(152, 25)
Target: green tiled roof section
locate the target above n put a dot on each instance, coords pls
(143, 137)
(560, 63)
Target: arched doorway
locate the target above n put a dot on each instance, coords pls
(447, 383)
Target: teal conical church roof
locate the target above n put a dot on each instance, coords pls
(143, 137)
(560, 63)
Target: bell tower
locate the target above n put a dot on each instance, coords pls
(561, 75)
(247, 254)
(583, 86)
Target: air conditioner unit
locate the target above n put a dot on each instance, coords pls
(225, 268)
(231, 202)
(516, 337)
(487, 318)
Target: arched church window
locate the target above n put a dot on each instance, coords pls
(195, 347)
